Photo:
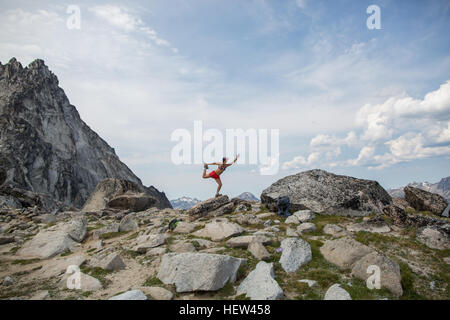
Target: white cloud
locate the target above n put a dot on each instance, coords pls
(411, 129)
(120, 17)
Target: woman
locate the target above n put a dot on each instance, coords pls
(216, 173)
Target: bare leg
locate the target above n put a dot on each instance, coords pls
(205, 176)
(219, 186)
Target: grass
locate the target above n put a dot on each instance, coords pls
(152, 282)
(408, 279)
(111, 235)
(25, 261)
(226, 291)
(95, 227)
(358, 290)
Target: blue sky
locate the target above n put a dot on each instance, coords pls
(368, 103)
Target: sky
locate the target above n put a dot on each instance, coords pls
(369, 103)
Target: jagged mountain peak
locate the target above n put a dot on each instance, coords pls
(45, 147)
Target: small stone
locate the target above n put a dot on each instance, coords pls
(306, 227)
(8, 281)
(310, 283)
(130, 295)
(258, 250)
(335, 292)
(159, 293)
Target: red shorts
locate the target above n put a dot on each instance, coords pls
(214, 175)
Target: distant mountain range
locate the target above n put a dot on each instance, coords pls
(184, 203)
(442, 187)
(247, 196)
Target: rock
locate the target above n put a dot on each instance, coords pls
(182, 247)
(400, 202)
(135, 202)
(59, 267)
(335, 292)
(422, 200)
(198, 271)
(260, 284)
(7, 201)
(334, 230)
(111, 228)
(244, 241)
(128, 223)
(344, 252)
(390, 271)
(296, 252)
(291, 233)
(206, 207)
(76, 229)
(306, 227)
(112, 262)
(327, 193)
(435, 237)
(403, 219)
(40, 295)
(125, 194)
(248, 219)
(79, 281)
(8, 281)
(146, 242)
(310, 283)
(185, 227)
(48, 243)
(223, 210)
(241, 207)
(258, 250)
(377, 225)
(291, 219)
(156, 251)
(6, 239)
(219, 230)
(159, 293)
(304, 215)
(130, 295)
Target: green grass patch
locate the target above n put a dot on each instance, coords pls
(358, 290)
(111, 235)
(97, 273)
(25, 261)
(153, 282)
(408, 279)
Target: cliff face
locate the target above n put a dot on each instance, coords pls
(45, 147)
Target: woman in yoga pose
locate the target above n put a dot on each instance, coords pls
(222, 166)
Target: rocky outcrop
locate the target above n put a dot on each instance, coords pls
(435, 237)
(403, 219)
(124, 195)
(45, 147)
(212, 207)
(198, 271)
(422, 200)
(130, 295)
(328, 193)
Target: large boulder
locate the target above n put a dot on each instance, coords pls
(344, 252)
(390, 277)
(422, 200)
(198, 271)
(48, 243)
(328, 193)
(211, 207)
(260, 284)
(219, 230)
(124, 194)
(296, 252)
